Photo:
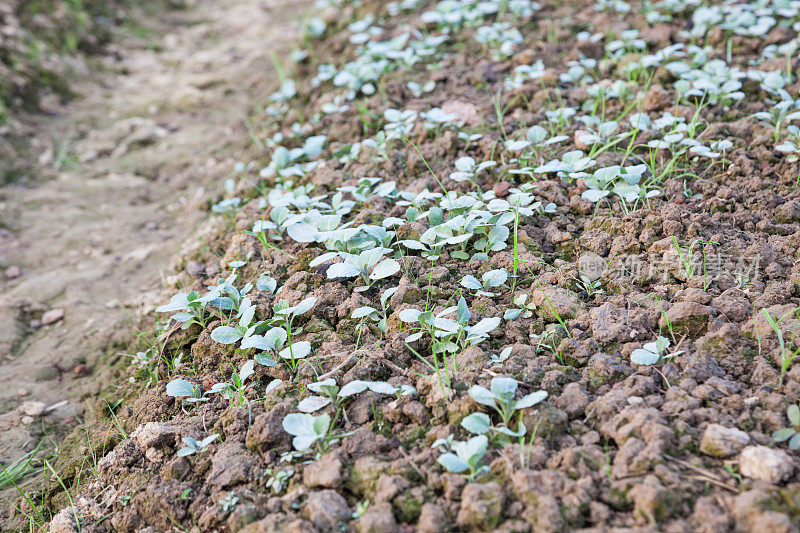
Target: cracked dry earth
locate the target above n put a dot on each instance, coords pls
(138, 149)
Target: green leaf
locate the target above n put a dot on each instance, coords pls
(298, 424)
(495, 278)
(504, 387)
(409, 315)
(476, 447)
(453, 463)
(793, 412)
(304, 306)
(521, 430)
(313, 403)
(531, 399)
(640, 356)
(485, 326)
(342, 270)
(248, 369)
(302, 232)
(482, 395)
(354, 387)
(296, 350)
(225, 335)
(477, 423)
(471, 282)
(321, 424)
(180, 388)
(783, 434)
(362, 312)
(385, 269)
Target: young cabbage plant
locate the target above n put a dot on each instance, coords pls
(522, 308)
(330, 394)
(500, 397)
(791, 433)
(190, 307)
(448, 335)
(242, 329)
(267, 231)
(317, 227)
(327, 394)
(226, 296)
(494, 240)
(481, 424)
(192, 446)
(379, 387)
(418, 90)
(428, 245)
(369, 265)
(379, 317)
(309, 430)
(653, 353)
(268, 284)
(469, 138)
(502, 357)
(284, 316)
(572, 164)
(467, 456)
(235, 390)
(490, 280)
(468, 170)
(186, 390)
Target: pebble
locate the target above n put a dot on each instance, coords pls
(33, 408)
(52, 316)
(13, 272)
(195, 268)
(765, 464)
(720, 441)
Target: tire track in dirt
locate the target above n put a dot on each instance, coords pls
(132, 160)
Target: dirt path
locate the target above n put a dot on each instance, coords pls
(134, 157)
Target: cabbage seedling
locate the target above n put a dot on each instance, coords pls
(490, 280)
(376, 316)
(467, 456)
(284, 316)
(309, 429)
(242, 329)
(181, 388)
(500, 397)
(523, 308)
(791, 433)
(192, 446)
(481, 424)
(369, 265)
(449, 335)
(653, 353)
(327, 391)
(190, 307)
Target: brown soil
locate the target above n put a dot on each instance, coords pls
(682, 446)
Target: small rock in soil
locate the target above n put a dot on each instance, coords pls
(765, 464)
(13, 272)
(378, 519)
(33, 408)
(720, 441)
(52, 316)
(431, 519)
(326, 509)
(326, 472)
(481, 506)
